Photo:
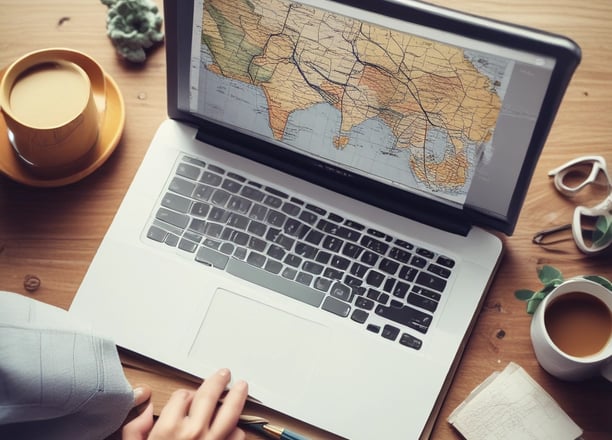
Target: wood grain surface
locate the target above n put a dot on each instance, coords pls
(52, 234)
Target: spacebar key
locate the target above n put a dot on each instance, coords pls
(274, 282)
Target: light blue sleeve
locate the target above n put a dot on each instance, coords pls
(57, 381)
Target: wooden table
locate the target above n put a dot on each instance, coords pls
(52, 234)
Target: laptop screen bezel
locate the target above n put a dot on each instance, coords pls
(566, 53)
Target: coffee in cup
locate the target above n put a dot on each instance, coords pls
(47, 100)
(571, 330)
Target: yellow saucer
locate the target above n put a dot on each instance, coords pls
(111, 128)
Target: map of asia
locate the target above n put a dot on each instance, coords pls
(396, 106)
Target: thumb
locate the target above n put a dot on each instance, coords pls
(140, 420)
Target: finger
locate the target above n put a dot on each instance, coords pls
(174, 412)
(227, 416)
(142, 393)
(140, 426)
(207, 397)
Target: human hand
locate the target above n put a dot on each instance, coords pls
(193, 414)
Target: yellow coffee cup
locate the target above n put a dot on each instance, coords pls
(52, 100)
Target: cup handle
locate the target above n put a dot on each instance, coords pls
(606, 369)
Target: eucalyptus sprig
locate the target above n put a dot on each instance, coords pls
(551, 277)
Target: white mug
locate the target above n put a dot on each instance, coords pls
(571, 331)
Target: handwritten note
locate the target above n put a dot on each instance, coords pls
(510, 405)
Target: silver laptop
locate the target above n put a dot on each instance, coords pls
(316, 213)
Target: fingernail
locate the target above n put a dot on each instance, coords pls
(223, 372)
(138, 391)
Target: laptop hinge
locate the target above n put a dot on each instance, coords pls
(418, 208)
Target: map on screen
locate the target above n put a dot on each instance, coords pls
(397, 107)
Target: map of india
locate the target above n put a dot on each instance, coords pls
(398, 106)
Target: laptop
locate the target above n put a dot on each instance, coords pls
(322, 210)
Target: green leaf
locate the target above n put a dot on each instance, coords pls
(603, 231)
(549, 275)
(532, 305)
(599, 280)
(524, 294)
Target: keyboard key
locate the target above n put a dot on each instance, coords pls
(188, 171)
(239, 204)
(407, 273)
(332, 243)
(316, 209)
(364, 303)
(290, 209)
(252, 193)
(390, 332)
(405, 315)
(351, 250)
(211, 257)
(258, 212)
(218, 215)
(200, 209)
(276, 192)
(375, 278)
(358, 270)
(340, 263)
(427, 293)
(354, 225)
(419, 262)
(332, 273)
(314, 237)
(335, 306)
(431, 281)
(374, 245)
(308, 217)
(373, 328)
(220, 197)
(203, 192)
(176, 202)
(231, 185)
(211, 178)
(446, 262)
(305, 250)
(341, 291)
(182, 186)
(323, 257)
(273, 266)
(410, 341)
(400, 290)
(400, 255)
(439, 270)
(275, 218)
(425, 253)
(156, 234)
(304, 278)
(273, 202)
(256, 259)
(322, 284)
(312, 267)
(174, 218)
(422, 302)
(388, 266)
(359, 316)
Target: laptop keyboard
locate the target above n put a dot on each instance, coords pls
(301, 250)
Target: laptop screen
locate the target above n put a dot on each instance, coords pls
(409, 101)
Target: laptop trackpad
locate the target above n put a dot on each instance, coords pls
(275, 351)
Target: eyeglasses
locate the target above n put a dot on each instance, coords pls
(591, 227)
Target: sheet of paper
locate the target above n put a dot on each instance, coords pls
(510, 405)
